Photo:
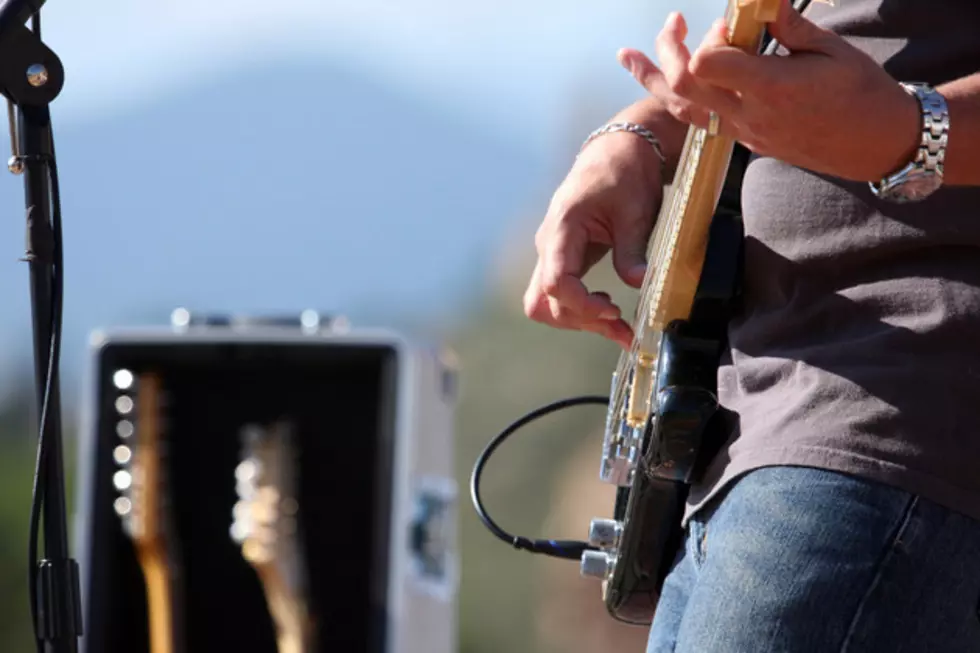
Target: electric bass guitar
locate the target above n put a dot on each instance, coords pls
(143, 505)
(265, 525)
(663, 423)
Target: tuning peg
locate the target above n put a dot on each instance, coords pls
(125, 429)
(124, 404)
(122, 480)
(122, 455)
(123, 379)
(123, 506)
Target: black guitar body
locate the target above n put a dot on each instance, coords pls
(688, 428)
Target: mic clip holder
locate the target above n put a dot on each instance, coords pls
(31, 77)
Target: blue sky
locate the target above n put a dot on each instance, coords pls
(512, 62)
(177, 190)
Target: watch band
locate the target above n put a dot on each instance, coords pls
(922, 176)
(935, 127)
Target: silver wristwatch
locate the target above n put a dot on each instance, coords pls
(924, 175)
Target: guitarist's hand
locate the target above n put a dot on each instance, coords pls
(826, 107)
(609, 199)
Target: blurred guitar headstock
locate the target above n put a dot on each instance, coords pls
(265, 526)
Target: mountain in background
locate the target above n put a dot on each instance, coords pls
(276, 188)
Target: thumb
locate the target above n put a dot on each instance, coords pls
(796, 33)
(629, 255)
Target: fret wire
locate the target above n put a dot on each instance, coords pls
(664, 240)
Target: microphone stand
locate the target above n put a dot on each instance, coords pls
(31, 77)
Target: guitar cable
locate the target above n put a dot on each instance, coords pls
(50, 371)
(566, 549)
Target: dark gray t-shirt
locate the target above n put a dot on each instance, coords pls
(858, 347)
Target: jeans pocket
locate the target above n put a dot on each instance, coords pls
(697, 541)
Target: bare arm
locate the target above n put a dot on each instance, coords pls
(652, 113)
(962, 163)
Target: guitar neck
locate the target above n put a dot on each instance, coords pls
(679, 245)
(294, 632)
(148, 519)
(681, 237)
(161, 597)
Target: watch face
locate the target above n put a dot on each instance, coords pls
(914, 188)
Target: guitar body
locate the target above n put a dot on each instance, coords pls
(687, 430)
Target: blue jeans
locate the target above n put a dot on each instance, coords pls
(800, 560)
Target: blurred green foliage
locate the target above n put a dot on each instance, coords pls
(17, 457)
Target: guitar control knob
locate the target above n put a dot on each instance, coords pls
(597, 564)
(604, 533)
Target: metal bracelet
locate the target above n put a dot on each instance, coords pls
(633, 128)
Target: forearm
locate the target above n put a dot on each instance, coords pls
(652, 114)
(963, 152)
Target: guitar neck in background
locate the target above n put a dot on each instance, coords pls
(266, 527)
(144, 504)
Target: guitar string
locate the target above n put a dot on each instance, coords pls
(654, 255)
(666, 224)
(660, 249)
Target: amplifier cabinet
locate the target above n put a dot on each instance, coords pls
(163, 460)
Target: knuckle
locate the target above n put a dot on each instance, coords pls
(647, 78)
(700, 63)
(531, 312)
(540, 238)
(562, 202)
(681, 111)
(679, 82)
(532, 305)
(551, 286)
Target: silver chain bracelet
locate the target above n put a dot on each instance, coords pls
(633, 128)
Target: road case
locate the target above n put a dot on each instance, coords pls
(264, 482)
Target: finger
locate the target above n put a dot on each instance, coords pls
(616, 330)
(720, 65)
(675, 60)
(561, 316)
(644, 71)
(735, 71)
(715, 37)
(541, 307)
(601, 307)
(598, 308)
(536, 305)
(563, 264)
(681, 109)
(629, 253)
(674, 55)
(652, 79)
(798, 34)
